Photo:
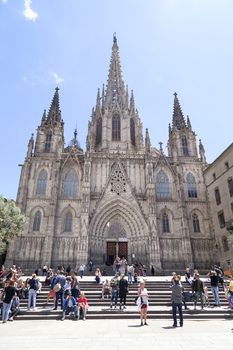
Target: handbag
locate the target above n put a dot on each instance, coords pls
(57, 287)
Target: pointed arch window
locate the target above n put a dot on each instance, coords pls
(184, 145)
(191, 186)
(41, 183)
(68, 222)
(99, 131)
(48, 142)
(116, 128)
(37, 221)
(196, 224)
(162, 186)
(70, 184)
(166, 226)
(132, 131)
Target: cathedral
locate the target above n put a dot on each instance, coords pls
(119, 197)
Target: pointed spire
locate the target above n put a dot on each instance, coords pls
(97, 108)
(189, 123)
(147, 141)
(132, 106)
(54, 114)
(115, 91)
(202, 152)
(74, 142)
(103, 99)
(30, 146)
(178, 121)
(43, 119)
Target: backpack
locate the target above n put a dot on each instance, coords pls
(36, 286)
(113, 283)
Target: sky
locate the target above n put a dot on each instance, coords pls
(166, 46)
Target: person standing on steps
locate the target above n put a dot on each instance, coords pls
(142, 303)
(123, 290)
(176, 299)
(81, 270)
(60, 282)
(114, 283)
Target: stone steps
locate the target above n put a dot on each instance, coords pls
(159, 299)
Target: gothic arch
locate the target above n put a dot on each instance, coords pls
(196, 219)
(133, 224)
(170, 217)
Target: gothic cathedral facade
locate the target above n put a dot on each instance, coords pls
(120, 197)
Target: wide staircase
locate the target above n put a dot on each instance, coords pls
(159, 304)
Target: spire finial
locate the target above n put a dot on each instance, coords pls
(175, 94)
(114, 38)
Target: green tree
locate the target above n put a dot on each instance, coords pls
(11, 222)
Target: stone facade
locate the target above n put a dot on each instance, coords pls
(219, 181)
(121, 196)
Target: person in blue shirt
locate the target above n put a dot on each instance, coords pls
(70, 305)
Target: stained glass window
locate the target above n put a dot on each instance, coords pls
(37, 221)
(70, 184)
(41, 183)
(162, 186)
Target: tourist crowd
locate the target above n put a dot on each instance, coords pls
(66, 293)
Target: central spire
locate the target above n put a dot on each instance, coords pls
(115, 91)
(54, 114)
(178, 118)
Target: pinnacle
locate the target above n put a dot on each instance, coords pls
(178, 120)
(54, 114)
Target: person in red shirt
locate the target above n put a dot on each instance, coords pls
(82, 305)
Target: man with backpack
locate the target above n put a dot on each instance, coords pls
(115, 287)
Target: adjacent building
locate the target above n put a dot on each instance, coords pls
(119, 196)
(219, 182)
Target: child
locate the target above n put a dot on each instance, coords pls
(82, 306)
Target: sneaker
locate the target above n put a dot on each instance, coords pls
(146, 324)
(84, 319)
(141, 323)
(3, 321)
(181, 324)
(174, 325)
(63, 318)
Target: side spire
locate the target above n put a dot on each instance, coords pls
(54, 114)
(115, 90)
(147, 141)
(178, 120)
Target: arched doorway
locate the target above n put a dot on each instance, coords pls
(118, 228)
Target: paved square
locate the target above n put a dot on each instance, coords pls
(116, 335)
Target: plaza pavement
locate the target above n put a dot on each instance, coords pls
(116, 335)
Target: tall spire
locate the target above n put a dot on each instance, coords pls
(54, 114)
(115, 91)
(178, 120)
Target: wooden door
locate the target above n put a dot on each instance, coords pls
(123, 249)
(111, 252)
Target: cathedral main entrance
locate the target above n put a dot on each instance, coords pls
(116, 249)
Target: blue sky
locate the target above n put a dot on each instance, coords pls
(165, 46)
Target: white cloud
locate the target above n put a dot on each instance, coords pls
(58, 80)
(28, 11)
